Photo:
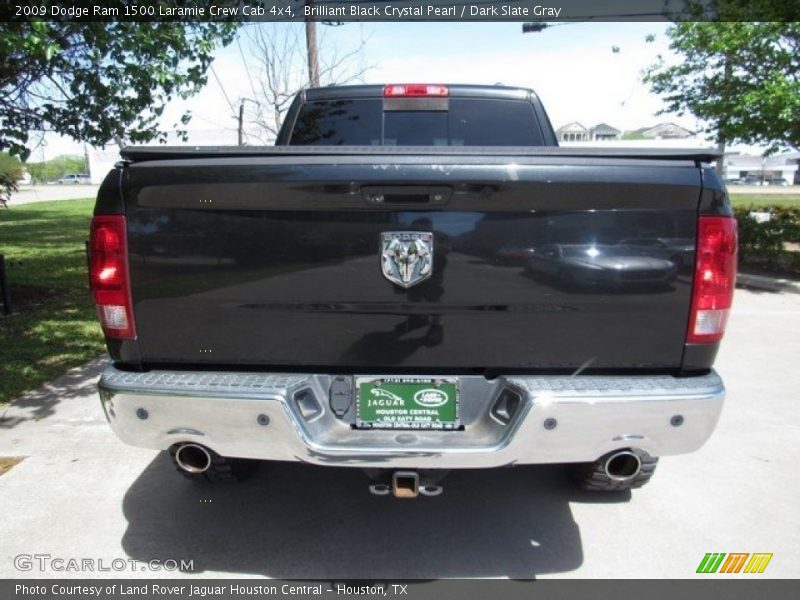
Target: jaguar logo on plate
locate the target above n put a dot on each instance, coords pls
(406, 257)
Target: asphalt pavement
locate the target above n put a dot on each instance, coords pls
(43, 193)
(79, 493)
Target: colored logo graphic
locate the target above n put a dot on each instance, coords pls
(430, 398)
(735, 562)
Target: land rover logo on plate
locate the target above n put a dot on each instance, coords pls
(430, 398)
(406, 257)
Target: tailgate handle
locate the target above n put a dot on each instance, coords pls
(407, 194)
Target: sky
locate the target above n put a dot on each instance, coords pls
(571, 66)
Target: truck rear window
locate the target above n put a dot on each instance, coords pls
(467, 122)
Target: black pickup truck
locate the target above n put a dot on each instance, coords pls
(415, 278)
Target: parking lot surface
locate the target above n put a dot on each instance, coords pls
(80, 493)
(43, 193)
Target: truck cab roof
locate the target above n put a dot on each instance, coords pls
(454, 91)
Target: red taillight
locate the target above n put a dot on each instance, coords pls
(714, 279)
(405, 90)
(108, 272)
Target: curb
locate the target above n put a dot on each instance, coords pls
(770, 284)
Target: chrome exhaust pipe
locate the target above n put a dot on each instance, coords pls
(192, 458)
(622, 465)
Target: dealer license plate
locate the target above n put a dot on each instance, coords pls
(407, 403)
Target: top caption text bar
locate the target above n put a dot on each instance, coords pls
(398, 10)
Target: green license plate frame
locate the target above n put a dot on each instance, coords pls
(430, 403)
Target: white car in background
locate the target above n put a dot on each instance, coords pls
(778, 181)
(73, 179)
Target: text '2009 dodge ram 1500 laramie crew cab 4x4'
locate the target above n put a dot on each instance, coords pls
(416, 278)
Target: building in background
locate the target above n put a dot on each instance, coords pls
(101, 160)
(603, 132)
(742, 164)
(663, 135)
(573, 132)
(757, 169)
(663, 131)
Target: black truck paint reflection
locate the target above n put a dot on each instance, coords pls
(603, 266)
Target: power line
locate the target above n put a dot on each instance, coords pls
(224, 93)
(246, 68)
(211, 122)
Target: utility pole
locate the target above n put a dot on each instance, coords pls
(87, 167)
(240, 118)
(241, 121)
(311, 48)
(722, 135)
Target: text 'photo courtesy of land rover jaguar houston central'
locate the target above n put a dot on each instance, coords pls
(414, 279)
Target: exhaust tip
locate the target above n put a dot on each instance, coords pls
(623, 465)
(193, 458)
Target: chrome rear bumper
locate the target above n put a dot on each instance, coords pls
(506, 420)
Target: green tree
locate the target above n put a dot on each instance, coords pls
(742, 79)
(57, 167)
(97, 82)
(10, 172)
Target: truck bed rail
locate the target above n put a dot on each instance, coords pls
(148, 153)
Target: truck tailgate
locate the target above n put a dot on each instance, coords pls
(538, 263)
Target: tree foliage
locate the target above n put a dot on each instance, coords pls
(56, 168)
(742, 79)
(10, 172)
(97, 82)
(770, 243)
(277, 71)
